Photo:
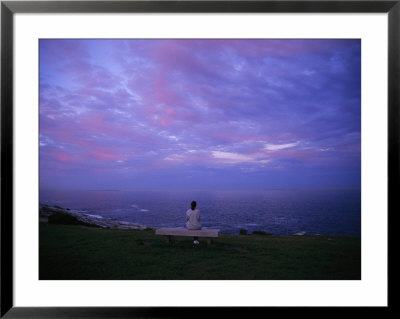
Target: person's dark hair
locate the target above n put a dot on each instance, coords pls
(193, 205)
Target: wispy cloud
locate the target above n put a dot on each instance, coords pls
(275, 147)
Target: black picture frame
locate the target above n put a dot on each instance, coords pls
(9, 8)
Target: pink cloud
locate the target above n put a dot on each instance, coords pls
(104, 156)
(64, 157)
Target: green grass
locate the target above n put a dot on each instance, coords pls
(82, 253)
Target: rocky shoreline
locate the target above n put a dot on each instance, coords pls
(59, 215)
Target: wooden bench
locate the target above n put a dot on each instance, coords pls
(168, 232)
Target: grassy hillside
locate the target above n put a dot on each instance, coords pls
(77, 252)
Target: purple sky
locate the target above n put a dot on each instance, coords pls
(200, 114)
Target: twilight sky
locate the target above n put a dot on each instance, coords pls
(200, 114)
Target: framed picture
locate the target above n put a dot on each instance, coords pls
(275, 121)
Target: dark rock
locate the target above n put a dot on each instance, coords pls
(46, 211)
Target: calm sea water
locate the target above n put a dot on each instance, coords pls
(279, 212)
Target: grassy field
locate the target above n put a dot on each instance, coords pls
(82, 253)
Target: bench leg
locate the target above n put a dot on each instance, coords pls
(209, 241)
(168, 239)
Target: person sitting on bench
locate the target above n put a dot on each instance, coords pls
(193, 220)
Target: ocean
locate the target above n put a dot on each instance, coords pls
(278, 212)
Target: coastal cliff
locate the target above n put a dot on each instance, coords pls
(59, 215)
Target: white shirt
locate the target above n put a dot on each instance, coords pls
(193, 219)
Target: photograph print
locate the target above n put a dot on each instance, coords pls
(199, 159)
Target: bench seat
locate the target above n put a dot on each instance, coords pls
(186, 232)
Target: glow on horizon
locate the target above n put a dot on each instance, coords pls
(200, 114)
